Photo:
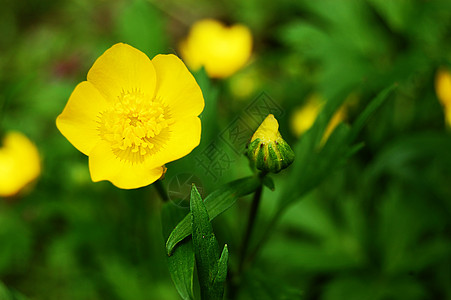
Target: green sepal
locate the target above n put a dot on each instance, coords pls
(252, 147)
(286, 154)
(273, 163)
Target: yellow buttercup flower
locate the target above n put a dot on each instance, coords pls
(19, 163)
(133, 115)
(220, 49)
(443, 90)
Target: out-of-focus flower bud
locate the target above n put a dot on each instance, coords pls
(267, 150)
(221, 50)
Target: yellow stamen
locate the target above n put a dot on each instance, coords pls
(132, 124)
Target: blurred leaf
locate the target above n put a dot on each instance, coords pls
(305, 37)
(209, 115)
(323, 244)
(15, 240)
(141, 26)
(263, 286)
(181, 262)
(372, 288)
(216, 203)
(6, 294)
(369, 110)
(206, 250)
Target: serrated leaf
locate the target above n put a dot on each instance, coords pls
(216, 203)
(181, 262)
(206, 248)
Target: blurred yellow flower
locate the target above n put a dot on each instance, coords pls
(133, 115)
(443, 90)
(19, 163)
(304, 117)
(221, 50)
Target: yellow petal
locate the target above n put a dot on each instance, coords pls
(183, 137)
(268, 131)
(78, 121)
(176, 87)
(122, 68)
(104, 165)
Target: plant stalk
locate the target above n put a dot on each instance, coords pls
(161, 190)
(250, 226)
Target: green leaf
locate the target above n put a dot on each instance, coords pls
(181, 262)
(7, 294)
(216, 203)
(265, 286)
(206, 250)
(209, 115)
(268, 182)
(369, 110)
(221, 276)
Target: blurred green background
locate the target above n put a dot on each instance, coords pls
(378, 227)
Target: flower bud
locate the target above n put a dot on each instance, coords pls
(267, 150)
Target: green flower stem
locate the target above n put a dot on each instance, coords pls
(161, 190)
(265, 236)
(250, 224)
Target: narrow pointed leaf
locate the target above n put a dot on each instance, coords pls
(216, 203)
(206, 249)
(369, 110)
(221, 276)
(269, 183)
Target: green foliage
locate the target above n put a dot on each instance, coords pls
(6, 294)
(374, 221)
(211, 268)
(216, 203)
(181, 262)
(314, 162)
(141, 26)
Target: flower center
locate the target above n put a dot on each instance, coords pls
(136, 126)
